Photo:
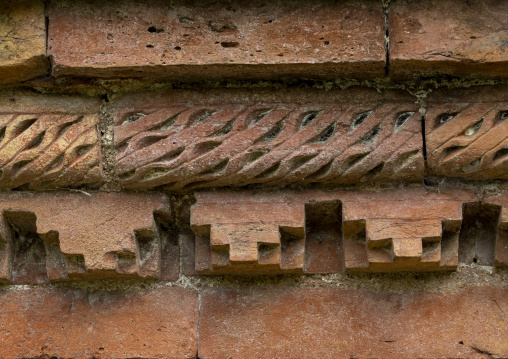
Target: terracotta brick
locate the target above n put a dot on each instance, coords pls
(246, 236)
(409, 229)
(71, 323)
(184, 140)
(217, 40)
(466, 133)
(51, 236)
(49, 142)
(501, 222)
(22, 40)
(342, 323)
(461, 38)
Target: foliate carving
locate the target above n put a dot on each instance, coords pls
(187, 141)
(61, 235)
(48, 145)
(466, 136)
(393, 230)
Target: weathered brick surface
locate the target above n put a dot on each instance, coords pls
(22, 40)
(410, 229)
(431, 38)
(466, 133)
(248, 233)
(185, 140)
(339, 323)
(217, 40)
(49, 141)
(51, 236)
(70, 323)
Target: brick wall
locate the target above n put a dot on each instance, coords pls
(264, 179)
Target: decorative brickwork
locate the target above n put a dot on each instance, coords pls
(58, 236)
(186, 140)
(48, 142)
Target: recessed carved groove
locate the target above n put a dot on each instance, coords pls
(200, 116)
(273, 133)
(323, 237)
(359, 119)
(500, 154)
(23, 126)
(371, 136)
(28, 252)
(308, 118)
(36, 141)
(217, 168)
(258, 116)
(444, 118)
(227, 128)
(133, 117)
(477, 241)
(402, 119)
(325, 135)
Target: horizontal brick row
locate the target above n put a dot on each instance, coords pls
(276, 322)
(185, 140)
(65, 236)
(256, 40)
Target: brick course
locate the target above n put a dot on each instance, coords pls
(217, 40)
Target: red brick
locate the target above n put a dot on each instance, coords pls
(466, 133)
(184, 140)
(63, 235)
(461, 38)
(71, 323)
(23, 40)
(49, 142)
(408, 229)
(217, 40)
(342, 323)
(501, 243)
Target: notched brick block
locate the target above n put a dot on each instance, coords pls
(252, 232)
(247, 235)
(466, 133)
(55, 236)
(186, 140)
(385, 233)
(49, 142)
